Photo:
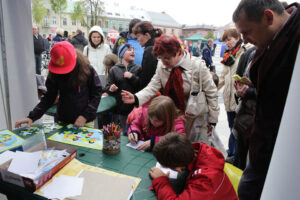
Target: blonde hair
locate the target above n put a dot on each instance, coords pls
(60, 31)
(163, 109)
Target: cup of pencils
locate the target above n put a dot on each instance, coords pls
(111, 138)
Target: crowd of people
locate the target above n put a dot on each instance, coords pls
(157, 83)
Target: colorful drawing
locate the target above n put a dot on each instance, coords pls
(84, 137)
(9, 140)
(35, 129)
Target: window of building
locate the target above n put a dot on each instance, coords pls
(106, 24)
(109, 13)
(117, 14)
(120, 27)
(73, 22)
(54, 20)
(165, 30)
(82, 24)
(100, 23)
(172, 30)
(65, 22)
(46, 21)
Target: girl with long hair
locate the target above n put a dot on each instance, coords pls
(78, 85)
(155, 121)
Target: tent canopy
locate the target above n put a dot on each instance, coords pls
(196, 37)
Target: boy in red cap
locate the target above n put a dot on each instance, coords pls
(206, 180)
(78, 85)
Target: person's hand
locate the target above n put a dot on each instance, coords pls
(156, 172)
(104, 94)
(240, 88)
(144, 146)
(127, 97)
(80, 121)
(127, 75)
(113, 88)
(28, 121)
(133, 137)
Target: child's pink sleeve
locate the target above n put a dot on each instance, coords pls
(179, 126)
(136, 126)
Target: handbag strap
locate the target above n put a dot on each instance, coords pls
(196, 76)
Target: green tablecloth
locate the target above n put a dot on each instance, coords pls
(106, 104)
(129, 161)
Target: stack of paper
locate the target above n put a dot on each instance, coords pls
(6, 156)
(25, 162)
(63, 186)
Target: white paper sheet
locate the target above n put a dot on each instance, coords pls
(63, 186)
(25, 162)
(173, 174)
(6, 156)
(135, 145)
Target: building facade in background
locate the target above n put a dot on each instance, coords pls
(188, 31)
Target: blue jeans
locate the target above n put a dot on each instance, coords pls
(38, 63)
(232, 144)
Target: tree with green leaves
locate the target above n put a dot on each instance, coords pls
(58, 6)
(94, 9)
(79, 13)
(38, 11)
(210, 35)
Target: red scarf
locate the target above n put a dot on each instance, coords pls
(174, 88)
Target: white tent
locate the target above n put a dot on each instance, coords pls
(18, 90)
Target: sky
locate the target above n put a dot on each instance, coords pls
(192, 12)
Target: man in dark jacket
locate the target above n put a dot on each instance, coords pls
(79, 40)
(276, 34)
(129, 37)
(207, 55)
(38, 44)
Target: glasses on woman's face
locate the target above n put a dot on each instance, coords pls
(165, 58)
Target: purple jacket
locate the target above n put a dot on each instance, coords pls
(153, 133)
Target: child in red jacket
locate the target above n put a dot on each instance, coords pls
(155, 121)
(206, 180)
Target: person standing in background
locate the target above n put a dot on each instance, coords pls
(96, 50)
(196, 50)
(146, 34)
(129, 37)
(79, 41)
(38, 44)
(207, 55)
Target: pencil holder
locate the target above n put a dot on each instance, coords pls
(111, 144)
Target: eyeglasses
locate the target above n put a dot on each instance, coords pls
(167, 58)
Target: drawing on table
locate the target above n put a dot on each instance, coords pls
(84, 137)
(9, 140)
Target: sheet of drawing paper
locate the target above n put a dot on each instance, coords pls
(25, 162)
(105, 186)
(173, 174)
(135, 145)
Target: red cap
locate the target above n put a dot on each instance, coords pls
(63, 58)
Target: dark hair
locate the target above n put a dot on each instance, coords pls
(166, 44)
(90, 39)
(66, 33)
(79, 32)
(146, 27)
(254, 9)
(79, 75)
(231, 33)
(174, 150)
(132, 23)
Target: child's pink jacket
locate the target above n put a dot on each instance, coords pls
(152, 133)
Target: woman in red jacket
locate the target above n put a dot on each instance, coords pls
(155, 121)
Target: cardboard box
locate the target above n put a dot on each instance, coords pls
(29, 183)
